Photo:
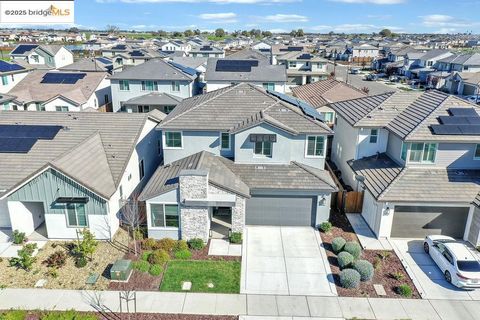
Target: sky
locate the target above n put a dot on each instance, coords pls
(323, 16)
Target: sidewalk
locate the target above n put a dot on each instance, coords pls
(248, 306)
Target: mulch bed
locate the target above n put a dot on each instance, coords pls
(342, 228)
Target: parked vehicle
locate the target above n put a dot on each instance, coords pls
(458, 264)
(473, 98)
(374, 76)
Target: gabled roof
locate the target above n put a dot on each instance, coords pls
(229, 108)
(463, 59)
(89, 65)
(262, 72)
(155, 69)
(249, 54)
(322, 92)
(155, 98)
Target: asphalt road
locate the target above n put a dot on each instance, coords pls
(357, 80)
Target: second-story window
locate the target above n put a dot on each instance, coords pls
(4, 80)
(269, 86)
(422, 152)
(373, 135)
(175, 86)
(124, 85)
(315, 146)
(149, 86)
(173, 139)
(476, 156)
(35, 58)
(403, 154)
(292, 64)
(263, 148)
(225, 140)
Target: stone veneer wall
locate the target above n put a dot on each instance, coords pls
(238, 212)
(193, 186)
(195, 221)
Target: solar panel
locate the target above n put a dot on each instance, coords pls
(453, 129)
(294, 48)
(185, 69)
(206, 48)
(22, 48)
(305, 107)
(463, 112)
(104, 60)
(7, 67)
(16, 145)
(119, 47)
(137, 53)
(305, 56)
(459, 120)
(62, 78)
(46, 132)
(236, 65)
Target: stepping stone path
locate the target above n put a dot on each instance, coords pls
(380, 290)
(186, 286)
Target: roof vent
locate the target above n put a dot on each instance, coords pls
(460, 173)
(65, 128)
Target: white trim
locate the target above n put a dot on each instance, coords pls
(422, 162)
(149, 214)
(76, 216)
(377, 136)
(324, 146)
(229, 141)
(164, 140)
(262, 156)
(469, 223)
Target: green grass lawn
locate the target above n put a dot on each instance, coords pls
(225, 276)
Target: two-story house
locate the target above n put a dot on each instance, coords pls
(239, 156)
(416, 156)
(206, 51)
(461, 62)
(155, 75)
(69, 171)
(11, 74)
(420, 66)
(42, 56)
(303, 68)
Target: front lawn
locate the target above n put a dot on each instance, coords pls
(224, 275)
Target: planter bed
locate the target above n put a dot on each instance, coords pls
(341, 228)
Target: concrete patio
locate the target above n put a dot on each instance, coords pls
(285, 261)
(223, 247)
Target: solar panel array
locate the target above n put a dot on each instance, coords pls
(292, 49)
(104, 60)
(235, 65)
(462, 121)
(187, 70)
(62, 78)
(206, 48)
(7, 67)
(137, 53)
(21, 138)
(22, 48)
(119, 47)
(305, 107)
(305, 56)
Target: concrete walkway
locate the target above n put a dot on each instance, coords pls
(365, 235)
(248, 306)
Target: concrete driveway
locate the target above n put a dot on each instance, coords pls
(285, 261)
(426, 276)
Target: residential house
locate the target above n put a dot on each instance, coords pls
(238, 156)
(463, 83)
(249, 54)
(280, 49)
(62, 91)
(11, 74)
(418, 65)
(415, 156)
(222, 73)
(133, 57)
(262, 46)
(206, 51)
(41, 56)
(460, 62)
(363, 53)
(303, 68)
(175, 45)
(161, 101)
(69, 171)
(100, 64)
(152, 76)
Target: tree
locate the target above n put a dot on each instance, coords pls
(177, 34)
(162, 33)
(385, 33)
(73, 30)
(188, 33)
(197, 32)
(112, 29)
(132, 218)
(266, 34)
(300, 33)
(293, 33)
(219, 33)
(245, 33)
(87, 246)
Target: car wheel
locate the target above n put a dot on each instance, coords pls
(448, 277)
(426, 248)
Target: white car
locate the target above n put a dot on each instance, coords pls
(458, 264)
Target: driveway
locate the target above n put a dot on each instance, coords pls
(285, 261)
(426, 276)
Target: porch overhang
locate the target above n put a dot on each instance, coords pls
(213, 200)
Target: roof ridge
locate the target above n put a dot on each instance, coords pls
(305, 168)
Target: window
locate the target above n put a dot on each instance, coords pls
(164, 215)
(403, 154)
(149, 86)
(106, 98)
(141, 169)
(35, 58)
(328, 117)
(292, 64)
(315, 146)
(476, 156)
(6, 106)
(168, 109)
(269, 86)
(60, 108)
(5, 80)
(120, 190)
(423, 152)
(175, 86)
(263, 148)
(76, 216)
(173, 139)
(124, 85)
(41, 107)
(373, 135)
(225, 140)
(143, 109)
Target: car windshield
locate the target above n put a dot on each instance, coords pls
(468, 266)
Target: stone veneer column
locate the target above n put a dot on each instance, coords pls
(238, 215)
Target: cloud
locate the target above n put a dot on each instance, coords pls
(371, 1)
(225, 17)
(379, 16)
(353, 28)
(203, 1)
(446, 22)
(282, 18)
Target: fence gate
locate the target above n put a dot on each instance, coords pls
(352, 201)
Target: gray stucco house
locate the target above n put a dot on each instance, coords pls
(238, 156)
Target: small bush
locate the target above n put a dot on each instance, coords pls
(181, 245)
(338, 244)
(13, 315)
(377, 263)
(353, 248)
(159, 257)
(365, 268)
(141, 265)
(344, 259)
(236, 237)
(25, 257)
(139, 234)
(67, 315)
(52, 272)
(397, 275)
(349, 278)
(18, 237)
(183, 254)
(166, 244)
(404, 290)
(88, 245)
(326, 226)
(149, 244)
(384, 255)
(196, 244)
(56, 259)
(146, 254)
(80, 261)
(155, 270)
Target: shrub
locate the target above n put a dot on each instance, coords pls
(365, 268)
(166, 244)
(146, 254)
(52, 272)
(14, 315)
(149, 244)
(159, 257)
(338, 244)
(181, 245)
(377, 263)
(384, 255)
(87, 246)
(18, 237)
(353, 248)
(25, 257)
(155, 270)
(80, 261)
(139, 234)
(141, 265)
(349, 278)
(67, 315)
(56, 259)
(183, 254)
(344, 259)
(196, 244)
(397, 275)
(404, 290)
(236, 237)
(326, 226)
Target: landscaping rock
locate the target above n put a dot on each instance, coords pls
(186, 286)
(41, 283)
(210, 285)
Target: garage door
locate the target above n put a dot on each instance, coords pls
(280, 211)
(417, 222)
(469, 90)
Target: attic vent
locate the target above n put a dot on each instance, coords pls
(369, 116)
(190, 165)
(283, 110)
(380, 108)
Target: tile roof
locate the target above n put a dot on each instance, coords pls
(249, 54)
(87, 64)
(155, 98)
(155, 69)
(263, 72)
